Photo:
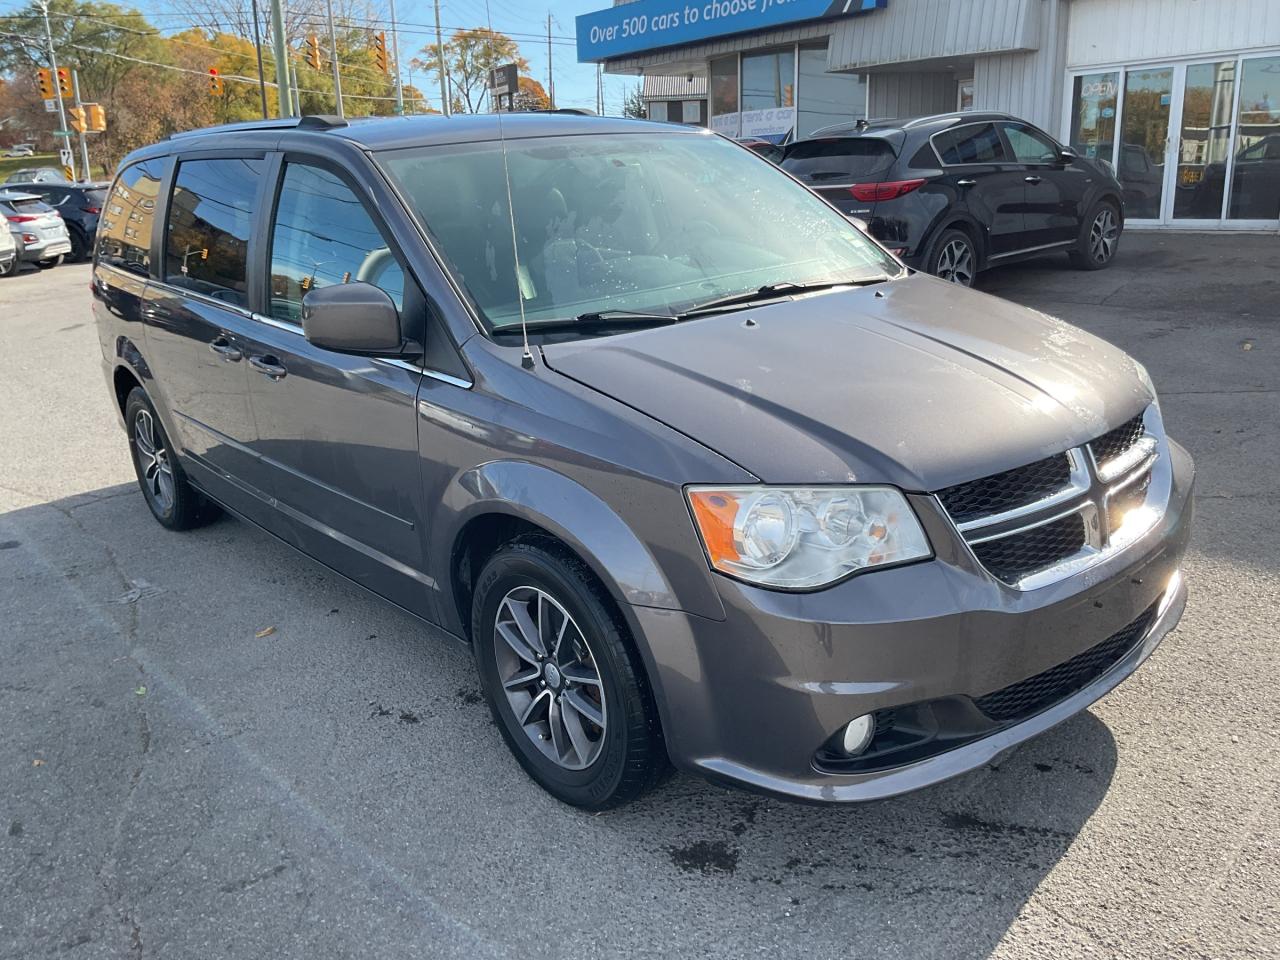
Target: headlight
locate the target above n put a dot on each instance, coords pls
(1144, 377)
(801, 537)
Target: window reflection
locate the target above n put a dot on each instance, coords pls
(210, 219)
(1093, 116)
(1255, 179)
(1145, 138)
(1207, 101)
(124, 230)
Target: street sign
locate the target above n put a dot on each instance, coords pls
(62, 133)
(51, 106)
(64, 156)
(503, 80)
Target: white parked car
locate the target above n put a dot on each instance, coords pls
(8, 253)
(21, 150)
(38, 228)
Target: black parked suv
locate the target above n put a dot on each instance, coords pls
(956, 193)
(80, 204)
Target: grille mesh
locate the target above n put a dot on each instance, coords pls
(1115, 442)
(1013, 557)
(1005, 491)
(1034, 694)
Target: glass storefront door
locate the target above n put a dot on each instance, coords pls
(1191, 143)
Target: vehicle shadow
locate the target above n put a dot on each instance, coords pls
(355, 724)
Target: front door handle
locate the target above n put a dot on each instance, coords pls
(965, 183)
(1031, 179)
(269, 366)
(227, 350)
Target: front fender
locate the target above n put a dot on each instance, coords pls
(585, 522)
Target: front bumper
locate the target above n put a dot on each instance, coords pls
(752, 699)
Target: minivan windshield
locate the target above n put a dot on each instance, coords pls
(645, 223)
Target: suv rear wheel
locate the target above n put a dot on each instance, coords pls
(1099, 237)
(954, 258)
(563, 680)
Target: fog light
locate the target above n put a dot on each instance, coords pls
(858, 734)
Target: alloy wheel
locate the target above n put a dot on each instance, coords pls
(1102, 235)
(550, 678)
(955, 263)
(154, 465)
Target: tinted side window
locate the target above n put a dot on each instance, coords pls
(1030, 146)
(210, 218)
(124, 230)
(973, 143)
(323, 235)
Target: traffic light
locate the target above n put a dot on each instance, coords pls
(44, 80)
(380, 51)
(216, 86)
(64, 83)
(97, 117)
(313, 52)
(76, 118)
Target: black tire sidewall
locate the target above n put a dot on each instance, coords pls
(189, 508)
(1082, 256)
(523, 564)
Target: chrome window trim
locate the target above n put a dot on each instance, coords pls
(244, 312)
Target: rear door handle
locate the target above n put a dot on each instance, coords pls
(1031, 179)
(269, 366)
(227, 350)
(965, 183)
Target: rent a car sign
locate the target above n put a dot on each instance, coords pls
(650, 24)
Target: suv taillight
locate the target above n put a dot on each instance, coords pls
(91, 209)
(889, 190)
(22, 218)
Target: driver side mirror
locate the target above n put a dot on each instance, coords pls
(356, 318)
(1066, 155)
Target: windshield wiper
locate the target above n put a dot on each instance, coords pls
(774, 290)
(595, 320)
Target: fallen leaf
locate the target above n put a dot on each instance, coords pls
(141, 691)
(1248, 345)
(265, 632)
(37, 762)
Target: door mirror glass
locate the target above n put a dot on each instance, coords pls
(354, 318)
(1066, 155)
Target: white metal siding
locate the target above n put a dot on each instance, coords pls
(1133, 31)
(910, 94)
(910, 30)
(1027, 85)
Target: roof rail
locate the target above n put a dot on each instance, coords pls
(309, 122)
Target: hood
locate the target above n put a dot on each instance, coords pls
(913, 382)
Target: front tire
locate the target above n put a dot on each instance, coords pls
(1099, 237)
(562, 677)
(954, 258)
(172, 500)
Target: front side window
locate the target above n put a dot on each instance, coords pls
(972, 143)
(645, 222)
(124, 231)
(323, 235)
(1030, 146)
(210, 219)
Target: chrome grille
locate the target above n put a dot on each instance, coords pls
(1009, 490)
(1029, 551)
(1037, 523)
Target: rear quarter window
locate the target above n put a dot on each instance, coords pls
(838, 161)
(971, 143)
(128, 215)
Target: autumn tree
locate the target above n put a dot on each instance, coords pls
(531, 96)
(469, 55)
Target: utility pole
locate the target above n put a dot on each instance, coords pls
(295, 95)
(551, 77)
(257, 44)
(84, 146)
(282, 58)
(53, 70)
(599, 91)
(444, 92)
(395, 42)
(333, 57)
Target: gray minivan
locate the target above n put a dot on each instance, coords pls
(701, 474)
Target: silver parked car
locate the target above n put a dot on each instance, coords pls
(39, 229)
(8, 252)
(698, 471)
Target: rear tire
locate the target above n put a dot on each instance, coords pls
(79, 251)
(172, 500)
(9, 268)
(535, 593)
(50, 262)
(1099, 237)
(954, 258)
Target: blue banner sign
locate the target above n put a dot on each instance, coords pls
(651, 24)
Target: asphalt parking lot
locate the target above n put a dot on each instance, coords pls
(177, 782)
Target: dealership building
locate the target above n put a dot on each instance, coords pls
(1182, 97)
